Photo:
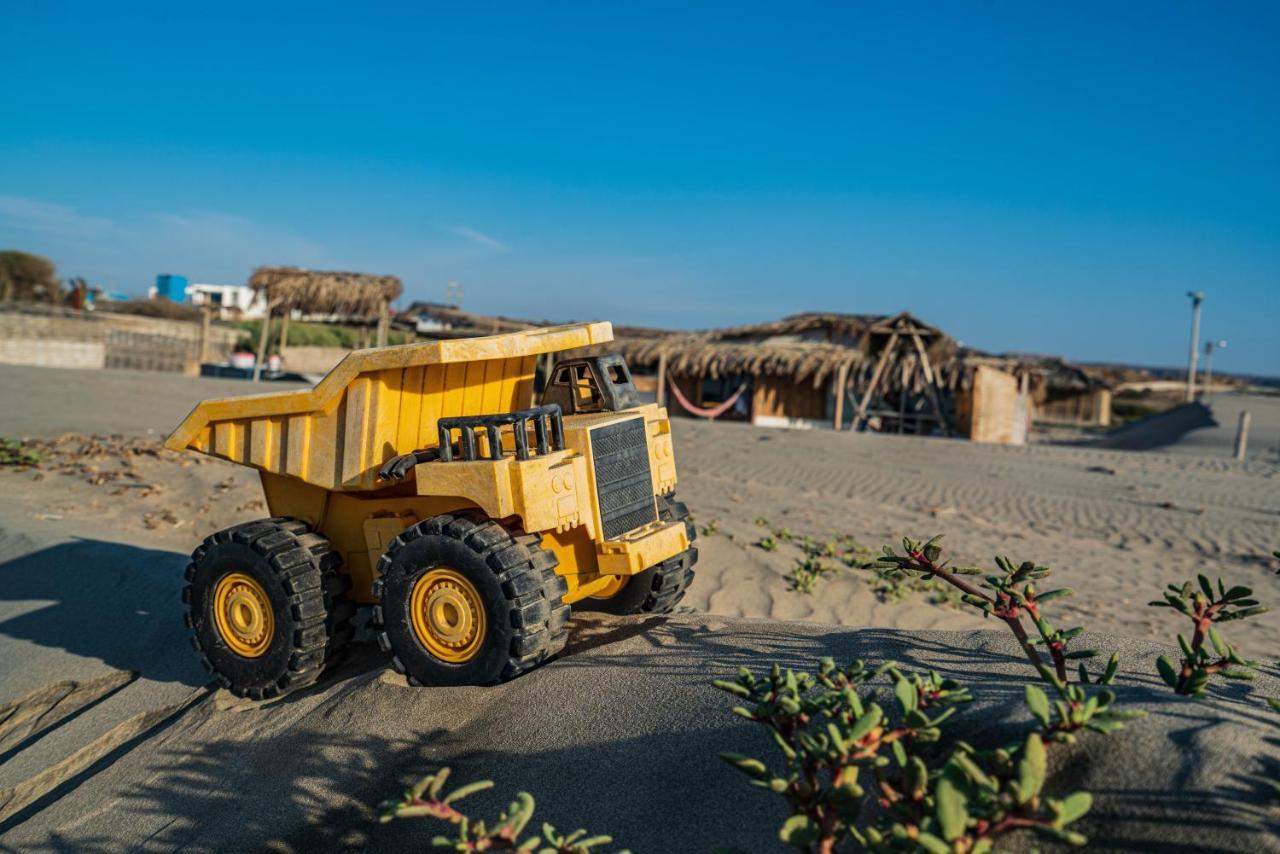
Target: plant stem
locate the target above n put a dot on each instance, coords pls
(1014, 623)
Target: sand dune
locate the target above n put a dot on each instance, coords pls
(110, 738)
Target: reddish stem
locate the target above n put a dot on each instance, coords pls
(1205, 611)
(1010, 616)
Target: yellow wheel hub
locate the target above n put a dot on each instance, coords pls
(447, 615)
(242, 613)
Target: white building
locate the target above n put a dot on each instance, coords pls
(230, 300)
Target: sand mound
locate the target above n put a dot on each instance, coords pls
(621, 735)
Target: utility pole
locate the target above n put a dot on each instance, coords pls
(1209, 347)
(1197, 297)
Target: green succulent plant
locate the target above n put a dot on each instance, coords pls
(806, 572)
(426, 799)
(1206, 609)
(842, 752)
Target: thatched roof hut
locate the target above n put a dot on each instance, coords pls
(699, 355)
(323, 292)
(803, 368)
(808, 349)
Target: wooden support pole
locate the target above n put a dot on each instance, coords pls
(662, 379)
(363, 341)
(842, 377)
(1242, 435)
(206, 318)
(902, 396)
(875, 376)
(384, 322)
(931, 382)
(284, 329)
(263, 332)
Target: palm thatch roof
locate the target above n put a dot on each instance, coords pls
(832, 327)
(803, 349)
(700, 356)
(325, 292)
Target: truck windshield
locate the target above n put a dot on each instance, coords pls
(581, 382)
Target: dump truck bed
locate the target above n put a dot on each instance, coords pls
(376, 404)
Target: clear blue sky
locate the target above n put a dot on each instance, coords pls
(1037, 177)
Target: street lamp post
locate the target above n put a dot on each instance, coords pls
(1209, 347)
(1197, 297)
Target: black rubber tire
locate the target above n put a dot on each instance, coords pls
(658, 589)
(515, 577)
(300, 573)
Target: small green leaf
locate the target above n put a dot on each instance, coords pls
(747, 765)
(1073, 807)
(866, 723)
(917, 777)
(1168, 672)
(799, 831)
(734, 688)
(908, 698)
(1031, 769)
(953, 816)
(1039, 704)
(1113, 665)
(469, 789)
(932, 844)
(437, 782)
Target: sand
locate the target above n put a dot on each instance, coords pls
(621, 735)
(91, 553)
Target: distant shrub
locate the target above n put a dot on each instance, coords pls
(160, 308)
(28, 277)
(308, 335)
(17, 453)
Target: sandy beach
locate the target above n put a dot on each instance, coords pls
(117, 742)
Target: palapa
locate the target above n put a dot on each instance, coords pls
(357, 295)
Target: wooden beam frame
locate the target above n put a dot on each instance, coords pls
(876, 374)
(284, 329)
(264, 332)
(842, 377)
(931, 383)
(384, 322)
(662, 379)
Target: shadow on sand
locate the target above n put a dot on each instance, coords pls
(116, 603)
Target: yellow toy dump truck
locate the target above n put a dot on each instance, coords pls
(422, 480)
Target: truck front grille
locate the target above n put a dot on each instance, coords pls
(623, 483)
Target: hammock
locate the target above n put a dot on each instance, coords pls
(712, 413)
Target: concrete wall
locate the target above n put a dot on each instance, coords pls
(52, 354)
(53, 337)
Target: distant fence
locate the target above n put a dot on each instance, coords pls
(65, 338)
